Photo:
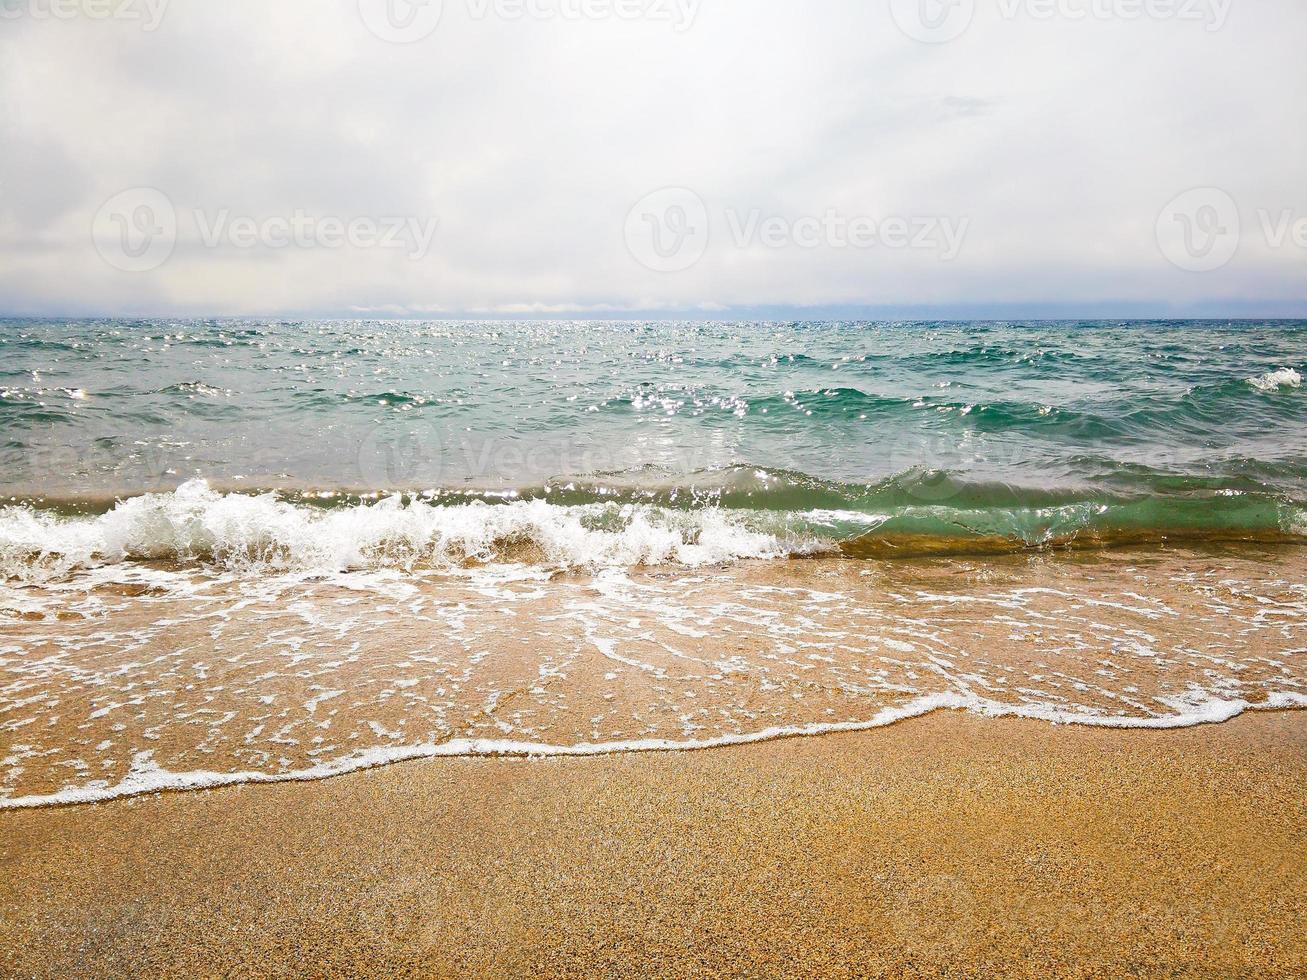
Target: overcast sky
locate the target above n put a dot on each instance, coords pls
(674, 157)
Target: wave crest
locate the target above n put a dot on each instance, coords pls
(1276, 380)
(722, 518)
(266, 533)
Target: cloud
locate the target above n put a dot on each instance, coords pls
(530, 138)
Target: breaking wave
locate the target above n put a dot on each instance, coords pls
(268, 533)
(1275, 380)
(746, 515)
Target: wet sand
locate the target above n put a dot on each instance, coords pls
(133, 678)
(949, 845)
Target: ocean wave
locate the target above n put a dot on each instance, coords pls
(1197, 411)
(1276, 380)
(726, 517)
(267, 533)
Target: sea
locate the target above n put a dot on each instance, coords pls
(246, 551)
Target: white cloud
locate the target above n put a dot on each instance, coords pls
(529, 140)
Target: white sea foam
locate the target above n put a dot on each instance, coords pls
(195, 676)
(147, 777)
(1276, 380)
(265, 533)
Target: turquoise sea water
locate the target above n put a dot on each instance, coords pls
(911, 433)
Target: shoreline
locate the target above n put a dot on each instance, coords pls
(175, 681)
(950, 844)
(146, 781)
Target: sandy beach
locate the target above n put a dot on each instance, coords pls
(950, 845)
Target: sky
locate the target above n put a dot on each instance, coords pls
(664, 158)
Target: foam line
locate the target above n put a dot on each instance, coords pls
(147, 777)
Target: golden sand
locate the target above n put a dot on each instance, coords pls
(950, 845)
